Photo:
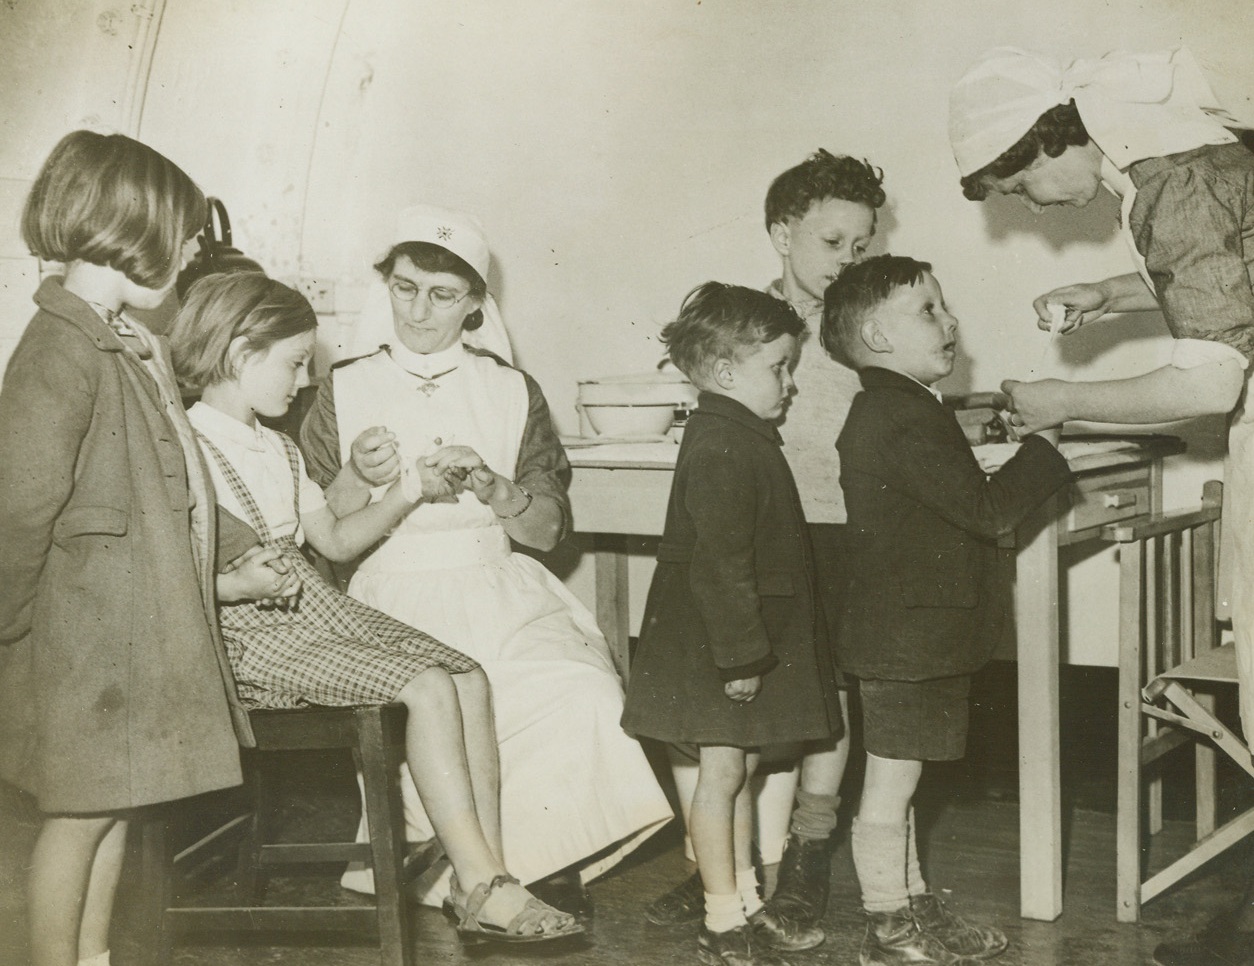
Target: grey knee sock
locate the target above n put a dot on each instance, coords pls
(879, 855)
(815, 815)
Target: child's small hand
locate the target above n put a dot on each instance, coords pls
(464, 467)
(1035, 405)
(425, 482)
(374, 456)
(743, 689)
(260, 574)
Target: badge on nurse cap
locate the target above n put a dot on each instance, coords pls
(457, 231)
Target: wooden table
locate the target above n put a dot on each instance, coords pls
(1116, 477)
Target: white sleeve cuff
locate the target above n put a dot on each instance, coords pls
(1191, 353)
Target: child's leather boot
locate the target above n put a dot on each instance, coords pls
(966, 939)
(805, 878)
(895, 939)
(775, 930)
(736, 947)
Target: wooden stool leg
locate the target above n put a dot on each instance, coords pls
(251, 877)
(1128, 808)
(156, 888)
(385, 817)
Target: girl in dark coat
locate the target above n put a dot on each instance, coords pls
(114, 690)
(728, 658)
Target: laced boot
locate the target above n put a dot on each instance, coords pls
(736, 947)
(966, 939)
(775, 930)
(805, 878)
(895, 939)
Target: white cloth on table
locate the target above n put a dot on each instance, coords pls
(573, 784)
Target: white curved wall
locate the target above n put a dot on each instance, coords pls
(617, 153)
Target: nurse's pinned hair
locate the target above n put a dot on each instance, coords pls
(109, 200)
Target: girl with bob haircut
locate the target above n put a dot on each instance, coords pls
(115, 690)
(245, 342)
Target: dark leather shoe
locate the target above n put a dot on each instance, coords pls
(684, 904)
(776, 931)
(566, 893)
(966, 939)
(895, 939)
(736, 947)
(805, 878)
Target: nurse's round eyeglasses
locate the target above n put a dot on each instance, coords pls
(440, 298)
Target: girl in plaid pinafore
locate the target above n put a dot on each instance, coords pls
(245, 342)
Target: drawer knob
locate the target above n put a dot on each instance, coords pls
(1117, 501)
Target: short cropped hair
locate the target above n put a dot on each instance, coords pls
(220, 308)
(1054, 131)
(109, 200)
(436, 258)
(821, 176)
(718, 321)
(855, 294)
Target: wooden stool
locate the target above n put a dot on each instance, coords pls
(1169, 644)
(376, 735)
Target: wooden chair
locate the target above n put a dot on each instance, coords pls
(1168, 645)
(376, 735)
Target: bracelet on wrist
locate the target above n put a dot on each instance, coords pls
(527, 498)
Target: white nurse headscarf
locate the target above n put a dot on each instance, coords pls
(459, 233)
(1134, 106)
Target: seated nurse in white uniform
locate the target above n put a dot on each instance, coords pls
(577, 794)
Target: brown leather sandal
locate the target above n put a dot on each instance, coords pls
(520, 928)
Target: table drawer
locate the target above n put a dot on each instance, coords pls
(1107, 497)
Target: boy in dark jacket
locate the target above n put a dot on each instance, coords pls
(926, 605)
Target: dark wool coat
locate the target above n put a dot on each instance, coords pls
(114, 687)
(928, 594)
(733, 596)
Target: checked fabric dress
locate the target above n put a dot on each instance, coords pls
(326, 648)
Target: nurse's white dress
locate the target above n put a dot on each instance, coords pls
(574, 786)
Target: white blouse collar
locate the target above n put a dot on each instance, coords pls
(218, 426)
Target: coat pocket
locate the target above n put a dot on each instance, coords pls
(82, 521)
(776, 584)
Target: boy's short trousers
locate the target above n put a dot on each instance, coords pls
(915, 720)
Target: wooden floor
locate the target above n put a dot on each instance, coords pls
(969, 824)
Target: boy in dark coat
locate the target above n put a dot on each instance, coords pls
(728, 658)
(926, 605)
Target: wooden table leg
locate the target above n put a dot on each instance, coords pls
(613, 615)
(1040, 798)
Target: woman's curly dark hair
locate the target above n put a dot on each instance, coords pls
(1054, 131)
(821, 176)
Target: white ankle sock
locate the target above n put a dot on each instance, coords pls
(723, 912)
(747, 886)
(100, 959)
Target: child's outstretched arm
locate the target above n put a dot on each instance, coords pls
(913, 451)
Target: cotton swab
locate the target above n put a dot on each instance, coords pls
(1057, 317)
